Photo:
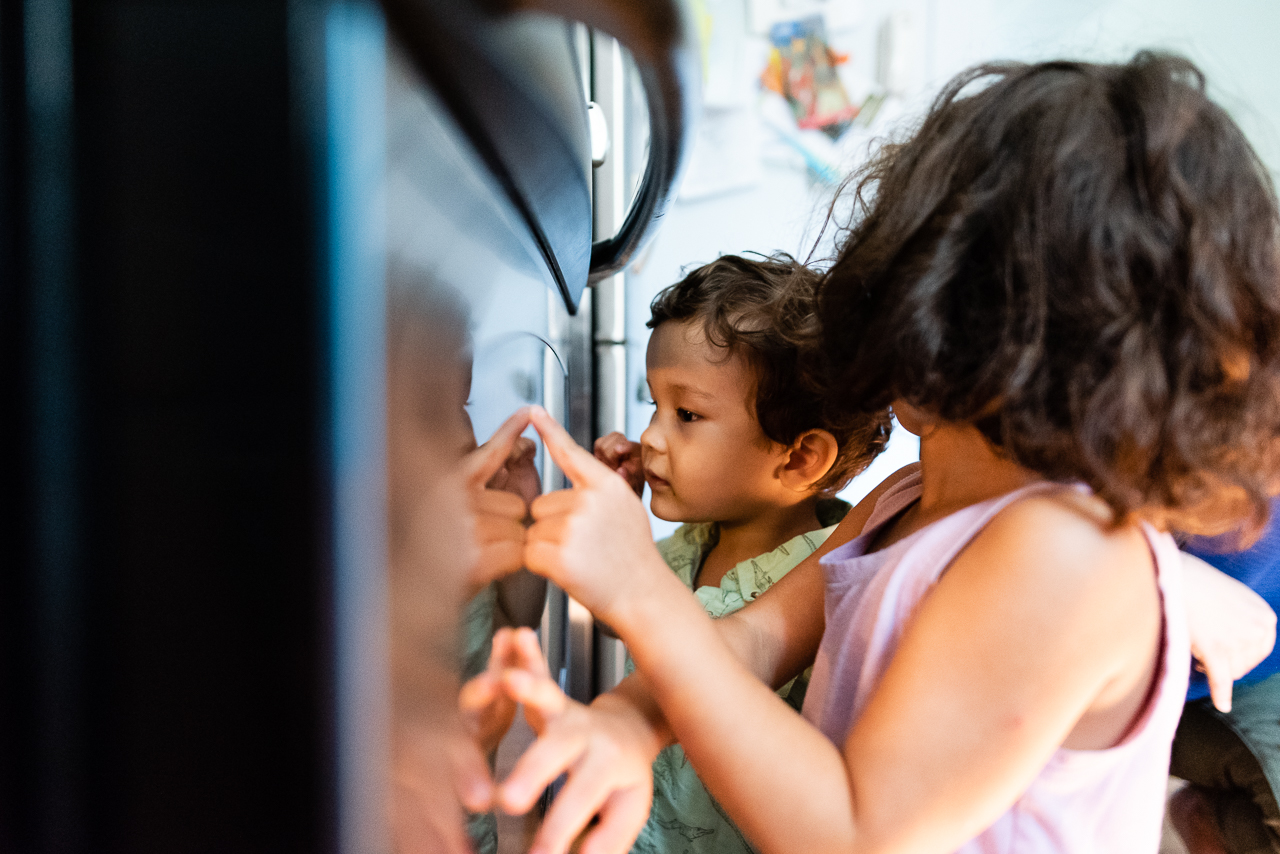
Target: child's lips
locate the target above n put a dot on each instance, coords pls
(654, 481)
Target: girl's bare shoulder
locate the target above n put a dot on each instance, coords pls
(1083, 586)
(1065, 548)
(1070, 525)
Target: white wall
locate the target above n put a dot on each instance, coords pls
(1233, 41)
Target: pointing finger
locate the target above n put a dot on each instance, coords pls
(477, 693)
(580, 466)
(483, 463)
(542, 699)
(1220, 689)
(576, 804)
(544, 761)
(527, 653)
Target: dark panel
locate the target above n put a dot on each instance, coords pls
(17, 754)
(165, 641)
(201, 312)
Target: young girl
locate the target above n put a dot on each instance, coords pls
(1066, 283)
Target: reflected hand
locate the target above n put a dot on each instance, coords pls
(496, 517)
(518, 474)
(606, 749)
(594, 539)
(1232, 628)
(488, 709)
(623, 456)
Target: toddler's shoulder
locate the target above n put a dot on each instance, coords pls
(684, 548)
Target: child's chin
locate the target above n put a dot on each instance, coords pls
(665, 509)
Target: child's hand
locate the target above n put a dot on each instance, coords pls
(594, 539)
(1232, 628)
(487, 709)
(623, 456)
(497, 517)
(608, 754)
(518, 474)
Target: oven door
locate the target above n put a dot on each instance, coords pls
(488, 242)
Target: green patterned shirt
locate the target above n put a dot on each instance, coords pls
(477, 640)
(685, 819)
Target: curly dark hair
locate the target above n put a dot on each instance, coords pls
(1081, 261)
(764, 308)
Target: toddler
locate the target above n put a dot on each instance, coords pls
(739, 450)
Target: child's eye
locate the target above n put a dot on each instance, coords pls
(686, 416)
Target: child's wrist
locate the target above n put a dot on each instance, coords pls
(641, 606)
(646, 735)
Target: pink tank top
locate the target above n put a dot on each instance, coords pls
(1083, 801)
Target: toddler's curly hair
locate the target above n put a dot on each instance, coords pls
(763, 308)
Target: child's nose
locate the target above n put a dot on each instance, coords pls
(651, 439)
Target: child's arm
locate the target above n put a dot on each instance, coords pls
(777, 635)
(624, 730)
(1232, 627)
(1040, 622)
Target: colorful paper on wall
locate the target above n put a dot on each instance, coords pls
(802, 68)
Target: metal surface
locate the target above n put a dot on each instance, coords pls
(203, 214)
(611, 414)
(512, 86)
(612, 183)
(553, 629)
(356, 115)
(660, 35)
(568, 640)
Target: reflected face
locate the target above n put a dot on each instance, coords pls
(706, 459)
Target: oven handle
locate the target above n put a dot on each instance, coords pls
(662, 38)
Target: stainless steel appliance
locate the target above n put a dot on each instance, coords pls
(215, 220)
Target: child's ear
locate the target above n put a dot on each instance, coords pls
(812, 455)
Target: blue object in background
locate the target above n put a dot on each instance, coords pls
(1257, 566)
